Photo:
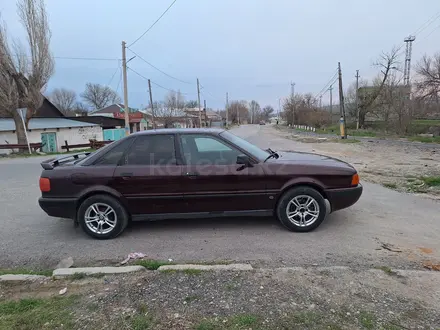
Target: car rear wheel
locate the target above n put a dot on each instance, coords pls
(102, 217)
(301, 209)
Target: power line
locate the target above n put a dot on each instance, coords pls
(86, 58)
(153, 24)
(215, 98)
(119, 83)
(161, 71)
(430, 33)
(427, 23)
(326, 86)
(168, 89)
(111, 79)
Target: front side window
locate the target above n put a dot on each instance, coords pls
(152, 150)
(207, 150)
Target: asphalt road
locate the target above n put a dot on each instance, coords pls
(29, 238)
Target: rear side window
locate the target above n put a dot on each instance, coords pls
(152, 150)
(113, 156)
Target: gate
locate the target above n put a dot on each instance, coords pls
(49, 141)
(113, 134)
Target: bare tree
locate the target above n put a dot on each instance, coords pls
(267, 112)
(303, 108)
(237, 111)
(254, 111)
(64, 99)
(192, 104)
(386, 63)
(99, 96)
(428, 84)
(23, 75)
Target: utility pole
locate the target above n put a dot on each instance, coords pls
(320, 102)
(292, 93)
(124, 74)
(331, 103)
(357, 98)
(227, 109)
(341, 102)
(198, 98)
(152, 106)
(406, 74)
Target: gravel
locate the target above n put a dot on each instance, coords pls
(335, 298)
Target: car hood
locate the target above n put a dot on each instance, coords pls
(307, 158)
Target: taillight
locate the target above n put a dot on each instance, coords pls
(355, 180)
(44, 184)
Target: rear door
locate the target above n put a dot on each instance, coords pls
(149, 176)
(214, 182)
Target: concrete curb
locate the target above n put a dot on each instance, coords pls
(236, 267)
(64, 272)
(22, 278)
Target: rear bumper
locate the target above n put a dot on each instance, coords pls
(342, 198)
(59, 207)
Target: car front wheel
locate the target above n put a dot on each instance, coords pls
(102, 217)
(301, 209)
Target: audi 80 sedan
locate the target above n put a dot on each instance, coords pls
(193, 173)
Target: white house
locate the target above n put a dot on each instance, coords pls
(50, 127)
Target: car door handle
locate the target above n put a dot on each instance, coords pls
(126, 176)
(192, 175)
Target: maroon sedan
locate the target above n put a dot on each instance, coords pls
(193, 173)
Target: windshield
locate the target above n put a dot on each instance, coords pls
(245, 145)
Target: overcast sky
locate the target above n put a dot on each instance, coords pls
(252, 49)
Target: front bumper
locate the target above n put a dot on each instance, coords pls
(342, 198)
(59, 207)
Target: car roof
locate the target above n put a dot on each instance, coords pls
(212, 131)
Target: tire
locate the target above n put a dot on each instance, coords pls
(301, 195)
(111, 226)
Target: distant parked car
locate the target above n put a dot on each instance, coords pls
(193, 173)
(262, 122)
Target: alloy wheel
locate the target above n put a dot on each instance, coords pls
(302, 210)
(100, 218)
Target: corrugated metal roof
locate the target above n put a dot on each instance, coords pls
(7, 124)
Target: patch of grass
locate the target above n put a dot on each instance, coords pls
(391, 326)
(216, 262)
(345, 140)
(236, 322)
(390, 185)
(18, 271)
(152, 264)
(206, 325)
(141, 322)
(367, 320)
(425, 139)
(361, 132)
(431, 181)
(189, 299)
(231, 287)
(386, 270)
(244, 320)
(29, 314)
(191, 271)
(77, 276)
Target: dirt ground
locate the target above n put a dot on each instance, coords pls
(298, 298)
(395, 164)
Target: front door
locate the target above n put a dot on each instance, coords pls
(213, 180)
(49, 141)
(149, 177)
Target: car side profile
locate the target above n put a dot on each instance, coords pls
(193, 173)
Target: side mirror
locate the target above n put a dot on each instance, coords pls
(244, 160)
